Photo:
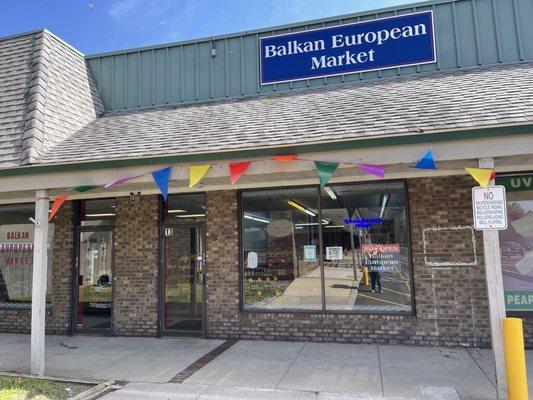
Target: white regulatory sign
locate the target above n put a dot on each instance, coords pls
(490, 208)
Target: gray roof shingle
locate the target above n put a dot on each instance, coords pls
(46, 94)
(407, 105)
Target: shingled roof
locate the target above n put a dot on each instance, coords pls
(408, 105)
(46, 94)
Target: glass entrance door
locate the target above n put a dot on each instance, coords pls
(183, 255)
(95, 281)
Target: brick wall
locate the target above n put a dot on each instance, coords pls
(451, 300)
(58, 314)
(63, 243)
(136, 272)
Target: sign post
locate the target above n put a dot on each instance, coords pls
(490, 215)
(38, 298)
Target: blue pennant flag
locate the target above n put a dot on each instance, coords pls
(161, 178)
(426, 162)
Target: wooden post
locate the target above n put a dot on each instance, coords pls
(38, 296)
(493, 272)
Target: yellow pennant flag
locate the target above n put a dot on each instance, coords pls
(481, 175)
(196, 173)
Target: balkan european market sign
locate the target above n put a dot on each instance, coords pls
(364, 46)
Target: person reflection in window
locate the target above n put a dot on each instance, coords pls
(375, 278)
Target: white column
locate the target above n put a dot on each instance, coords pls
(38, 295)
(493, 272)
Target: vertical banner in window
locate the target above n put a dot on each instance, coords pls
(516, 243)
(16, 261)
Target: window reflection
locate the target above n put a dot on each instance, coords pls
(366, 263)
(364, 248)
(516, 243)
(280, 242)
(16, 255)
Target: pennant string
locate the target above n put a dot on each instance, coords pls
(325, 170)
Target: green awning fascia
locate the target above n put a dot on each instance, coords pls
(376, 141)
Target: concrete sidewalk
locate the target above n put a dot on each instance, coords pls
(172, 391)
(353, 370)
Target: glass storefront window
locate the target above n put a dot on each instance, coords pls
(184, 208)
(365, 247)
(280, 244)
(16, 255)
(516, 243)
(360, 262)
(95, 265)
(183, 234)
(96, 212)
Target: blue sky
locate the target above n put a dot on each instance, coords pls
(120, 24)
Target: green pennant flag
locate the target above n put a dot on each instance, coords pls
(325, 170)
(84, 188)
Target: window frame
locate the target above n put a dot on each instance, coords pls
(324, 310)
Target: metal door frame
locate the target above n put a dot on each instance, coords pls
(162, 278)
(78, 230)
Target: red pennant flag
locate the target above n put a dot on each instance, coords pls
(286, 157)
(58, 202)
(237, 169)
(493, 175)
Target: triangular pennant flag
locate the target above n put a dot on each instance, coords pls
(426, 162)
(285, 157)
(481, 175)
(58, 202)
(325, 170)
(161, 178)
(376, 170)
(236, 170)
(196, 173)
(121, 180)
(84, 188)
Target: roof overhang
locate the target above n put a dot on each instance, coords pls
(252, 153)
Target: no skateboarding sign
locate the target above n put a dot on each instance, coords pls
(490, 208)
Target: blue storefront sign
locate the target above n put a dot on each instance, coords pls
(364, 46)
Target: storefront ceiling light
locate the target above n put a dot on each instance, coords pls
(324, 222)
(251, 217)
(330, 193)
(100, 215)
(335, 226)
(383, 205)
(176, 211)
(190, 215)
(301, 208)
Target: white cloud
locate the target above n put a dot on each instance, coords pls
(122, 8)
